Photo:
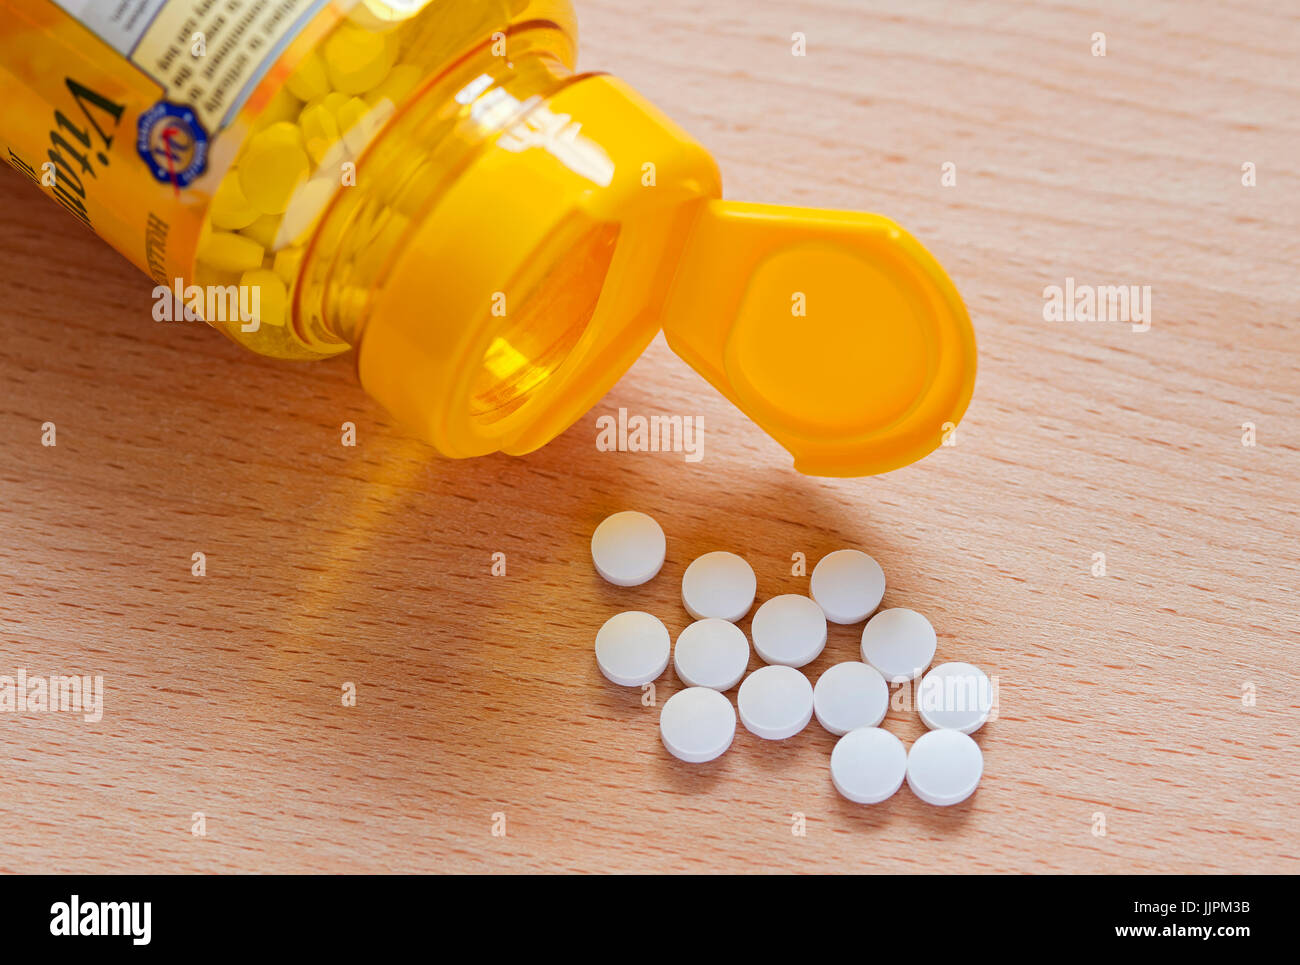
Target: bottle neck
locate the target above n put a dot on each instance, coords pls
(537, 268)
(408, 167)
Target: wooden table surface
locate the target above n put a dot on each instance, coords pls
(1158, 701)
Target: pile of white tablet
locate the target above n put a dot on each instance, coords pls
(789, 631)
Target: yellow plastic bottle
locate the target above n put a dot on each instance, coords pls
(430, 183)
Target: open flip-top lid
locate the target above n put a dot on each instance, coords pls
(555, 256)
(835, 331)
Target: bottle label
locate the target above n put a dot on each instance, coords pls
(114, 108)
(204, 54)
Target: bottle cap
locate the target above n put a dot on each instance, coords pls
(591, 222)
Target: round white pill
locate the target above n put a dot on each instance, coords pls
(775, 702)
(628, 548)
(850, 695)
(789, 630)
(632, 648)
(944, 767)
(719, 585)
(899, 643)
(955, 696)
(697, 724)
(711, 653)
(848, 586)
(868, 765)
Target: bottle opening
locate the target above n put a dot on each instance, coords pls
(540, 334)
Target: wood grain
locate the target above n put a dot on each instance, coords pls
(1119, 695)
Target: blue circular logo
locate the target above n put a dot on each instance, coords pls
(173, 143)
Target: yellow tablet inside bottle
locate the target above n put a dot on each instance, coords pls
(431, 185)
